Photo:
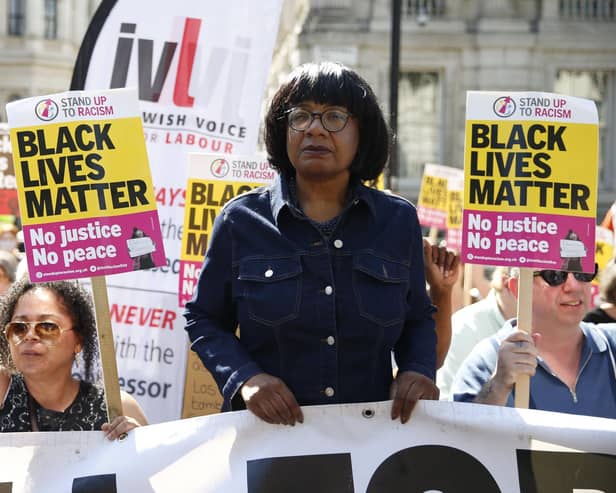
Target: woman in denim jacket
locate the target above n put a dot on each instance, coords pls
(322, 275)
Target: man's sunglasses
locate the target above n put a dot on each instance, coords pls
(558, 277)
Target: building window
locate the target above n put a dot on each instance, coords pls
(16, 17)
(600, 86)
(51, 19)
(419, 122)
(593, 10)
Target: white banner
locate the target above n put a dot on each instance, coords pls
(446, 447)
(200, 71)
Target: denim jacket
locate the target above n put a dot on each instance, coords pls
(321, 313)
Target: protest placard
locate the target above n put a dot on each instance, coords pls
(530, 189)
(84, 184)
(432, 201)
(9, 206)
(455, 204)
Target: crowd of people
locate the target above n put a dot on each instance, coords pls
(338, 297)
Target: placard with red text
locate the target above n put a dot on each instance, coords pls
(84, 185)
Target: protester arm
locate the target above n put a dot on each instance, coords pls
(211, 321)
(442, 271)
(131, 418)
(488, 375)
(415, 350)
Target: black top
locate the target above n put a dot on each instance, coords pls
(598, 316)
(87, 412)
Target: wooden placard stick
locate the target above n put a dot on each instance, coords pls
(107, 350)
(433, 235)
(525, 323)
(467, 284)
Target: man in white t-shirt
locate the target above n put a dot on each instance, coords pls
(475, 322)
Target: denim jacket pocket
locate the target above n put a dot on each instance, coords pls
(380, 287)
(271, 288)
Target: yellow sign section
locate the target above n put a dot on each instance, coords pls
(530, 165)
(455, 200)
(604, 247)
(433, 192)
(204, 199)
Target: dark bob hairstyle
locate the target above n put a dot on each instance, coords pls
(77, 302)
(333, 84)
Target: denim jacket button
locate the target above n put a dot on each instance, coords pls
(329, 290)
(338, 243)
(329, 392)
(331, 340)
(269, 273)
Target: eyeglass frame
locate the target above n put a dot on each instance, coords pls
(46, 339)
(315, 114)
(576, 275)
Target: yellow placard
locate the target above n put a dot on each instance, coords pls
(455, 200)
(204, 199)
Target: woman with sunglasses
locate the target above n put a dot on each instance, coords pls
(45, 326)
(571, 363)
(323, 274)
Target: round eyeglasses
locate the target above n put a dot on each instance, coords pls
(48, 332)
(332, 120)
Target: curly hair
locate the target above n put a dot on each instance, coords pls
(77, 302)
(334, 84)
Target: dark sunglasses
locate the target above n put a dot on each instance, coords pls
(558, 277)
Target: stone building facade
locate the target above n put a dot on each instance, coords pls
(39, 41)
(451, 46)
(447, 47)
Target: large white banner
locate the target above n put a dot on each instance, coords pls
(200, 68)
(446, 447)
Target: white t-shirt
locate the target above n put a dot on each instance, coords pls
(469, 325)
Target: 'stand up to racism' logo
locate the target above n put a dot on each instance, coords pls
(504, 106)
(46, 110)
(220, 168)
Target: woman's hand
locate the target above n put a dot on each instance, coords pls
(270, 399)
(406, 390)
(119, 427)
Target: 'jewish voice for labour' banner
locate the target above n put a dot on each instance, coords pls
(530, 190)
(201, 71)
(84, 186)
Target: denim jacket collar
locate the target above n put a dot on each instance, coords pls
(280, 197)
